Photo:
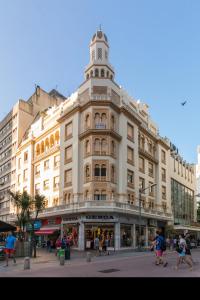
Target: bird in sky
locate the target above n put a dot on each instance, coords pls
(183, 103)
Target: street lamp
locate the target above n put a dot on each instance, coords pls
(140, 215)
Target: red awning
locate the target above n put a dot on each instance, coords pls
(45, 231)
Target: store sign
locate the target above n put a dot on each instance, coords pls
(37, 225)
(70, 219)
(99, 217)
(55, 221)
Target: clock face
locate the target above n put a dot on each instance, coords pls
(99, 34)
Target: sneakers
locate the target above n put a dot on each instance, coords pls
(165, 264)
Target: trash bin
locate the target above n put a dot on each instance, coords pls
(61, 252)
(67, 252)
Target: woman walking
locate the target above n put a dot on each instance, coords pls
(181, 249)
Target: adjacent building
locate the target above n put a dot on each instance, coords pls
(12, 130)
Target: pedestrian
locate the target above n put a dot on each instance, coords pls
(96, 245)
(181, 249)
(175, 242)
(58, 245)
(51, 245)
(107, 244)
(48, 245)
(188, 247)
(10, 247)
(160, 245)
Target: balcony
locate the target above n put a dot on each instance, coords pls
(106, 206)
(149, 156)
(48, 152)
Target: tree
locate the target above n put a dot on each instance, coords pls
(23, 203)
(37, 207)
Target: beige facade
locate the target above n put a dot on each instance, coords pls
(90, 155)
(12, 130)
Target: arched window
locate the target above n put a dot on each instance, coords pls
(103, 170)
(112, 173)
(87, 147)
(102, 73)
(91, 73)
(96, 145)
(38, 149)
(103, 195)
(87, 121)
(97, 170)
(112, 148)
(46, 144)
(51, 141)
(87, 76)
(112, 122)
(57, 137)
(111, 77)
(86, 195)
(42, 147)
(107, 74)
(103, 118)
(96, 73)
(103, 146)
(97, 195)
(97, 119)
(69, 198)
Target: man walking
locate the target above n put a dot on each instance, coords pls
(10, 247)
(160, 245)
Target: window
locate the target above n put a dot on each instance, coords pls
(103, 195)
(130, 178)
(96, 72)
(141, 183)
(25, 156)
(25, 174)
(97, 145)
(56, 182)
(103, 170)
(141, 164)
(37, 188)
(163, 192)
(19, 178)
(68, 130)
(46, 184)
(19, 163)
(37, 170)
(97, 170)
(68, 177)
(102, 73)
(112, 122)
(68, 154)
(112, 148)
(100, 195)
(163, 174)
(151, 189)
(46, 164)
(163, 156)
(93, 55)
(103, 146)
(87, 121)
(56, 161)
(130, 132)
(87, 173)
(150, 148)
(55, 201)
(150, 169)
(99, 53)
(112, 174)
(130, 155)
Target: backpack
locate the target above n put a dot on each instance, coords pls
(163, 245)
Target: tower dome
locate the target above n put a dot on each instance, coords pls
(99, 66)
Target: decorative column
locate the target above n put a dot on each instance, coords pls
(117, 236)
(81, 237)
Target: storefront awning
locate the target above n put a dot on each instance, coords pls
(46, 231)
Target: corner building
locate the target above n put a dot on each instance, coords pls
(107, 147)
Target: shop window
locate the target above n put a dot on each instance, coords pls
(102, 232)
(71, 231)
(126, 235)
(97, 170)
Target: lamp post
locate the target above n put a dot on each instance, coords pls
(140, 214)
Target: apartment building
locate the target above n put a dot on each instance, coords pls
(12, 130)
(90, 156)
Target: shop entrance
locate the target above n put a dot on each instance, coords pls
(102, 231)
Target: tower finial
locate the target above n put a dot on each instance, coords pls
(99, 27)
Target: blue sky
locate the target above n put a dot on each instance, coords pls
(154, 47)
